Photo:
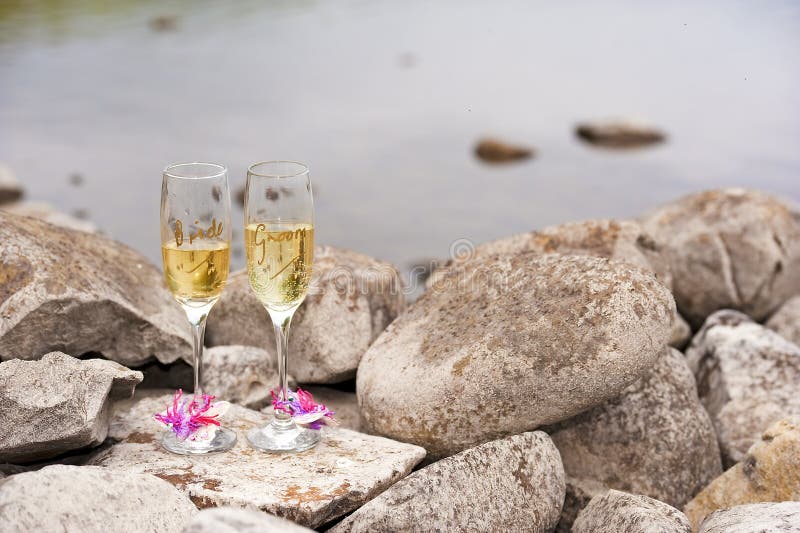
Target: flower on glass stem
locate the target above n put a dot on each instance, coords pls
(303, 410)
(195, 419)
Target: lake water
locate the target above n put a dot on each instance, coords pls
(385, 101)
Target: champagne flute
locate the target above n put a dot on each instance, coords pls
(195, 247)
(279, 241)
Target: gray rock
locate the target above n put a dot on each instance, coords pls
(344, 404)
(352, 298)
(234, 520)
(240, 374)
(57, 404)
(620, 512)
(729, 248)
(312, 488)
(681, 333)
(655, 439)
(10, 189)
(512, 484)
(747, 378)
(507, 344)
(74, 292)
(619, 134)
(781, 517)
(786, 320)
(90, 499)
(49, 214)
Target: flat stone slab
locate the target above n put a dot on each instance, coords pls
(311, 488)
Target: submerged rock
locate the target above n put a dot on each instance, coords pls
(58, 404)
(235, 520)
(512, 484)
(496, 151)
(756, 517)
(619, 512)
(619, 134)
(478, 357)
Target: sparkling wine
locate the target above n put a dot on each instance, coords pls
(279, 258)
(197, 271)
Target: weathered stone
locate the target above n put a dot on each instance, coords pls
(655, 439)
(507, 344)
(747, 378)
(770, 472)
(781, 517)
(496, 151)
(619, 134)
(311, 488)
(49, 214)
(352, 298)
(344, 404)
(728, 249)
(70, 291)
(512, 484)
(620, 512)
(10, 189)
(235, 520)
(681, 332)
(90, 499)
(57, 404)
(786, 320)
(240, 374)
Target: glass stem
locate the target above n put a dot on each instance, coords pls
(281, 322)
(198, 334)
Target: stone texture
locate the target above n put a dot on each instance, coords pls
(786, 320)
(507, 344)
(10, 189)
(234, 520)
(310, 488)
(769, 472)
(352, 298)
(747, 378)
(90, 499)
(57, 404)
(620, 512)
(728, 248)
(240, 374)
(496, 151)
(783, 517)
(70, 291)
(344, 404)
(50, 214)
(512, 484)
(619, 134)
(655, 439)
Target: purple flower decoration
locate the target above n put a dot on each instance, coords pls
(195, 419)
(304, 411)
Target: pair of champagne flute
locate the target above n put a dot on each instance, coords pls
(279, 242)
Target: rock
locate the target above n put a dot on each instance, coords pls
(49, 214)
(312, 488)
(57, 404)
(240, 374)
(769, 473)
(70, 291)
(344, 405)
(786, 320)
(655, 440)
(509, 343)
(619, 134)
(755, 518)
(234, 520)
(91, 499)
(747, 377)
(352, 298)
(619, 512)
(681, 333)
(496, 151)
(512, 484)
(10, 189)
(728, 249)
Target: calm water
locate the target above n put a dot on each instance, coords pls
(385, 101)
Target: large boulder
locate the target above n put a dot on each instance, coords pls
(235, 520)
(620, 512)
(57, 404)
(786, 320)
(71, 291)
(90, 499)
(512, 484)
(351, 300)
(783, 517)
(769, 473)
(655, 439)
(728, 248)
(509, 343)
(747, 378)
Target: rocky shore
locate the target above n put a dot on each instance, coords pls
(537, 385)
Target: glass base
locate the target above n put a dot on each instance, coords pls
(223, 440)
(286, 437)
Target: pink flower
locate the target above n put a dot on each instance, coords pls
(195, 420)
(301, 406)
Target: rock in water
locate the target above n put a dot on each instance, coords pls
(311, 488)
(240, 374)
(728, 249)
(57, 404)
(70, 291)
(10, 189)
(91, 499)
(234, 520)
(786, 320)
(495, 151)
(781, 517)
(619, 512)
(770, 472)
(512, 484)
(747, 378)
(655, 439)
(507, 344)
(619, 134)
(352, 298)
